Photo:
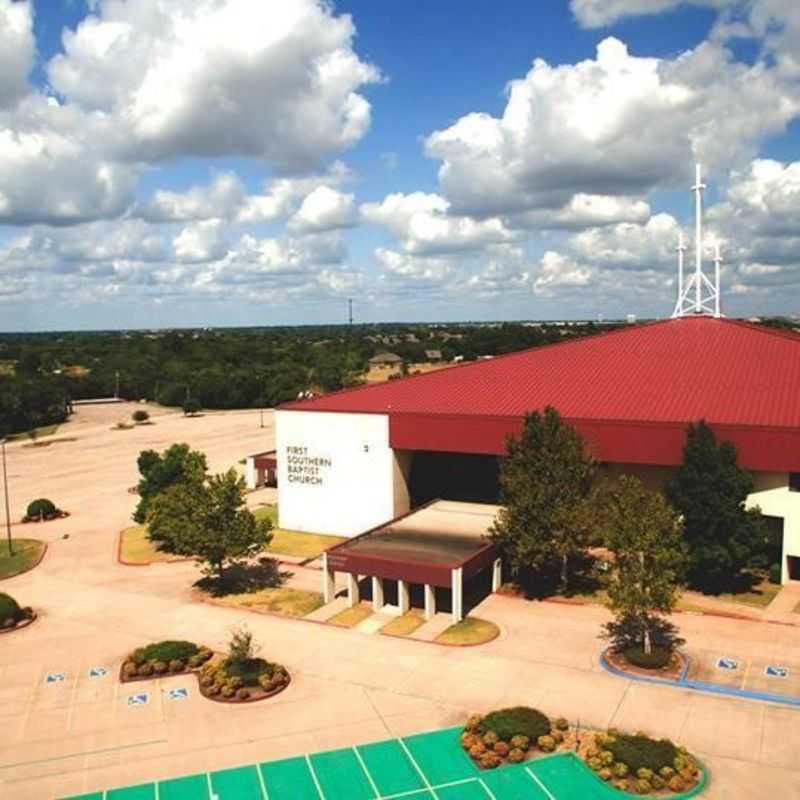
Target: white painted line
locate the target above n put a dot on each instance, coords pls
(366, 772)
(487, 789)
(432, 789)
(536, 778)
(417, 768)
(315, 779)
(264, 792)
(212, 795)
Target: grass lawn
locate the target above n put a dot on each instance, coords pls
(471, 630)
(26, 553)
(759, 596)
(295, 543)
(350, 617)
(283, 601)
(138, 549)
(406, 624)
(45, 430)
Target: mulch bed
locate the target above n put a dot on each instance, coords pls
(671, 671)
(136, 678)
(256, 693)
(58, 515)
(23, 623)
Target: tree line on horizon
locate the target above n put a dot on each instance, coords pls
(41, 374)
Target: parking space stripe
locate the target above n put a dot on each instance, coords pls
(417, 768)
(315, 778)
(540, 783)
(264, 792)
(366, 772)
(487, 789)
(211, 794)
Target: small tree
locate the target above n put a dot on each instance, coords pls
(543, 480)
(709, 490)
(644, 534)
(178, 464)
(241, 647)
(140, 415)
(210, 521)
(191, 406)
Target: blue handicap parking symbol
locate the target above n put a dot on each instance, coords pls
(181, 693)
(56, 677)
(98, 672)
(727, 663)
(138, 699)
(776, 672)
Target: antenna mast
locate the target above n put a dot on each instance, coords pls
(698, 295)
(350, 311)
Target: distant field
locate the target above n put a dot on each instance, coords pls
(381, 374)
(7, 367)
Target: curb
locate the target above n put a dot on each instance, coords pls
(702, 686)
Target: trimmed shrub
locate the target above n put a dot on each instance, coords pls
(561, 724)
(242, 694)
(140, 415)
(620, 769)
(520, 742)
(489, 760)
(607, 758)
(502, 749)
(474, 722)
(160, 667)
(557, 735)
(129, 669)
(546, 743)
(41, 509)
(643, 787)
(227, 691)
(167, 651)
(517, 721)
(477, 750)
(176, 665)
(516, 756)
(642, 751)
(146, 669)
(676, 784)
(490, 738)
(249, 670)
(605, 774)
(10, 610)
(658, 658)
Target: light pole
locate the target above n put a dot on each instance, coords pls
(5, 492)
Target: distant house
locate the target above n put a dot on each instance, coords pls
(385, 360)
(433, 355)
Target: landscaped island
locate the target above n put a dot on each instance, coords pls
(12, 615)
(633, 763)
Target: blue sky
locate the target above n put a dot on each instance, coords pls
(211, 162)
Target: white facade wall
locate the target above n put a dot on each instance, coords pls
(337, 473)
(775, 499)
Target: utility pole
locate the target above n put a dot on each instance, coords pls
(5, 491)
(116, 385)
(350, 312)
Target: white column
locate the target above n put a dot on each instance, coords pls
(377, 594)
(402, 596)
(250, 477)
(430, 601)
(497, 574)
(328, 580)
(352, 590)
(458, 608)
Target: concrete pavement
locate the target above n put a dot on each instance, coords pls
(80, 734)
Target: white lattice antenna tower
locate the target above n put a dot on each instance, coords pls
(697, 294)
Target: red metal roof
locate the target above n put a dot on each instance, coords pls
(631, 392)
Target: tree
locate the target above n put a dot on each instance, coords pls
(709, 490)
(178, 465)
(544, 478)
(644, 534)
(208, 520)
(191, 406)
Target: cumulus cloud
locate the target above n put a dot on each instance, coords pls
(324, 209)
(200, 241)
(17, 49)
(220, 77)
(600, 13)
(423, 224)
(219, 199)
(585, 211)
(618, 125)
